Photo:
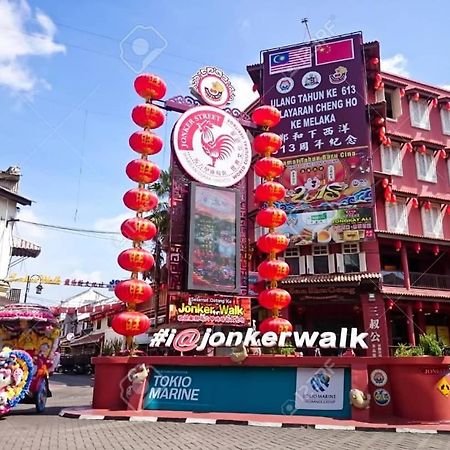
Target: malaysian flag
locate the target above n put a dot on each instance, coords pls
(289, 60)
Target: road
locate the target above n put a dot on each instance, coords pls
(24, 429)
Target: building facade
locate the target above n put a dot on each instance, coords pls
(396, 285)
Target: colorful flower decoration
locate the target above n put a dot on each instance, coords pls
(272, 243)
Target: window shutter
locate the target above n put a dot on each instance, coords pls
(309, 264)
(331, 265)
(396, 103)
(436, 222)
(402, 213)
(390, 216)
(430, 167)
(379, 95)
(362, 262)
(302, 265)
(396, 154)
(340, 263)
(414, 113)
(426, 222)
(445, 120)
(385, 159)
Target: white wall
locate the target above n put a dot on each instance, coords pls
(7, 211)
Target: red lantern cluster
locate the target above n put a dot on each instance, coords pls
(378, 82)
(272, 243)
(137, 260)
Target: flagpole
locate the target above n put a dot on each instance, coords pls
(305, 22)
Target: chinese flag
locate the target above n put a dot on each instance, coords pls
(334, 51)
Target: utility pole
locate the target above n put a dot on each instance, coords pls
(305, 22)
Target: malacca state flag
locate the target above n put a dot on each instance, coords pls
(334, 51)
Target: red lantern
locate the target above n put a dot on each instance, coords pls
(142, 171)
(385, 182)
(387, 142)
(267, 143)
(434, 103)
(422, 149)
(130, 323)
(447, 106)
(374, 61)
(273, 270)
(436, 307)
(416, 97)
(272, 242)
(266, 116)
(271, 217)
(275, 324)
(150, 87)
(133, 291)
(270, 191)
(140, 200)
(398, 245)
(379, 121)
(442, 153)
(274, 298)
(447, 210)
(409, 147)
(427, 205)
(269, 167)
(387, 196)
(414, 202)
(146, 143)
(393, 198)
(390, 303)
(417, 247)
(382, 133)
(418, 306)
(138, 229)
(402, 92)
(436, 250)
(147, 116)
(136, 260)
(378, 83)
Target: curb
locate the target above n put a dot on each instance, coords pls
(193, 420)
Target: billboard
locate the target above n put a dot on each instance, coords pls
(327, 180)
(325, 227)
(214, 239)
(213, 310)
(320, 89)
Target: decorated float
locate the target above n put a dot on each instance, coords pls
(29, 336)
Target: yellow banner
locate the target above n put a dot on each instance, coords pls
(43, 279)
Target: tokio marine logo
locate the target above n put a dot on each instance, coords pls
(211, 146)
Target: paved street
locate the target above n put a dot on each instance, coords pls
(24, 430)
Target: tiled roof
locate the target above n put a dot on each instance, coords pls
(6, 193)
(413, 292)
(89, 339)
(409, 237)
(332, 278)
(21, 247)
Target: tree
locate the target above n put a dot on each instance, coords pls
(160, 216)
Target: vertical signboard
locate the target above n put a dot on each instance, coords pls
(214, 239)
(320, 89)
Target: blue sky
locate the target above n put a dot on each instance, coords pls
(66, 94)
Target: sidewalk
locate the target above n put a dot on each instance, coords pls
(264, 420)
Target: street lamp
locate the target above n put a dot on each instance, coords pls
(39, 287)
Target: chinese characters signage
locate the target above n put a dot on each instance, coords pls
(214, 240)
(375, 346)
(330, 180)
(324, 227)
(320, 89)
(218, 310)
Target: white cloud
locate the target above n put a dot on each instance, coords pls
(244, 94)
(111, 224)
(94, 276)
(396, 65)
(24, 33)
(446, 87)
(29, 232)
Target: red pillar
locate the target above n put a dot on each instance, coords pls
(405, 267)
(410, 325)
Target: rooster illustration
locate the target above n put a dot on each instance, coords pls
(216, 148)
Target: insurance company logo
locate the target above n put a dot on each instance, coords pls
(211, 86)
(320, 381)
(311, 79)
(212, 146)
(339, 75)
(381, 397)
(285, 85)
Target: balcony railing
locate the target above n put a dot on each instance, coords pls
(418, 279)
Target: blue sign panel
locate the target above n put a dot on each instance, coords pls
(258, 390)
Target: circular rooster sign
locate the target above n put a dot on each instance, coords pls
(211, 146)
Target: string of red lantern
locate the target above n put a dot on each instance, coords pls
(138, 229)
(272, 243)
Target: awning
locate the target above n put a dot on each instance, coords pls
(89, 339)
(21, 247)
